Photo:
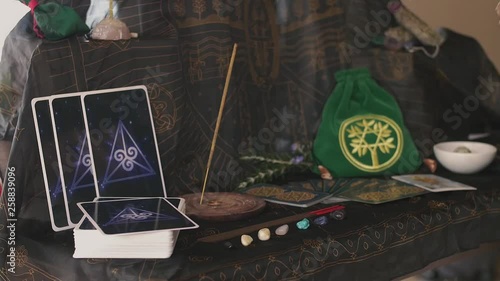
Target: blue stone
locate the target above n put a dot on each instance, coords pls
(303, 224)
(321, 220)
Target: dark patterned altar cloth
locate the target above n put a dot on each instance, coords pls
(284, 72)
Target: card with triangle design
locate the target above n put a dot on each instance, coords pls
(133, 216)
(73, 152)
(123, 143)
(56, 199)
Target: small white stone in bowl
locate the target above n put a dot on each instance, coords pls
(462, 149)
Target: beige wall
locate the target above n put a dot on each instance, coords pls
(476, 18)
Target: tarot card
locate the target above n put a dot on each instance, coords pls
(86, 224)
(132, 216)
(378, 191)
(287, 195)
(433, 183)
(59, 215)
(73, 153)
(123, 143)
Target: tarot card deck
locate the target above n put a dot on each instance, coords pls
(99, 154)
(130, 228)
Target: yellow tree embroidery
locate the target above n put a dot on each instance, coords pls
(218, 6)
(361, 146)
(199, 6)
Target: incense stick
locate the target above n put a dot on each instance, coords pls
(217, 124)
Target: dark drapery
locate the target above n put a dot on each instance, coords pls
(288, 53)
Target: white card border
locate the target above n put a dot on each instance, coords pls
(34, 101)
(114, 90)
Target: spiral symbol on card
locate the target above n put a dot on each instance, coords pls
(136, 217)
(86, 161)
(126, 157)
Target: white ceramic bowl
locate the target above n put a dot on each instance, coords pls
(482, 154)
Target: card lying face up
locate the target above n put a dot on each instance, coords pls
(55, 192)
(132, 216)
(123, 143)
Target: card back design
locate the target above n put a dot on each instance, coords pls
(56, 200)
(72, 149)
(135, 215)
(122, 142)
(87, 225)
(127, 161)
(129, 216)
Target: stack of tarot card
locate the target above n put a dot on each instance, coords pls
(103, 175)
(130, 228)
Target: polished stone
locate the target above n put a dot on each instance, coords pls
(246, 240)
(321, 220)
(264, 234)
(303, 224)
(282, 230)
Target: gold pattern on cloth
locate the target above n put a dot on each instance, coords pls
(199, 7)
(179, 8)
(26, 269)
(18, 132)
(163, 108)
(262, 41)
(196, 65)
(9, 99)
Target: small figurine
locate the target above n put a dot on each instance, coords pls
(111, 28)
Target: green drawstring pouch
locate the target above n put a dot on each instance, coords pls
(362, 132)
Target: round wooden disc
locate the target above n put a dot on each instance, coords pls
(223, 206)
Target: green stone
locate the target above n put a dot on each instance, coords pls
(303, 224)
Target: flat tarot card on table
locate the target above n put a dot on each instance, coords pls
(433, 183)
(127, 216)
(58, 212)
(123, 143)
(73, 152)
(86, 224)
(378, 190)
